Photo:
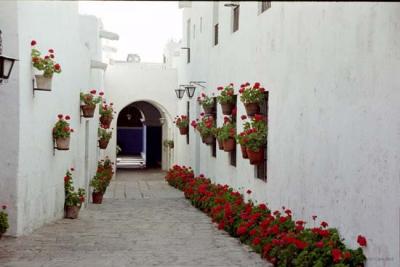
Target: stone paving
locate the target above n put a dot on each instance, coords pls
(142, 222)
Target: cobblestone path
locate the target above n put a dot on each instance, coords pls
(142, 222)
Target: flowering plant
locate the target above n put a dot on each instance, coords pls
(205, 101)
(46, 63)
(181, 121)
(226, 94)
(72, 198)
(254, 135)
(104, 134)
(228, 129)
(251, 94)
(206, 126)
(61, 129)
(275, 235)
(90, 98)
(103, 176)
(106, 110)
(3, 220)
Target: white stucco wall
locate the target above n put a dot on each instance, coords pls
(151, 82)
(39, 184)
(334, 139)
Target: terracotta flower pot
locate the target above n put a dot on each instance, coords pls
(208, 110)
(43, 83)
(208, 139)
(72, 212)
(97, 197)
(184, 130)
(103, 143)
(106, 121)
(88, 110)
(227, 108)
(220, 144)
(244, 152)
(252, 109)
(256, 157)
(62, 143)
(229, 145)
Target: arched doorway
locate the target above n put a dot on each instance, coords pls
(139, 136)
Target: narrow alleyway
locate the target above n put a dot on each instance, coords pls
(142, 222)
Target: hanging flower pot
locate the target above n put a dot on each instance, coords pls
(62, 143)
(88, 110)
(207, 103)
(183, 130)
(252, 108)
(220, 144)
(72, 212)
(244, 152)
(43, 82)
(97, 197)
(256, 157)
(103, 143)
(227, 108)
(208, 140)
(229, 145)
(208, 109)
(106, 121)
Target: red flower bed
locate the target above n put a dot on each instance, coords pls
(275, 235)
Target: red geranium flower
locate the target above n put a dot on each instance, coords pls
(51, 51)
(33, 42)
(67, 117)
(57, 66)
(362, 241)
(248, 191)
(60, 116)
(101, 93)
(243, 117)
(324, 224)
(336, 254)
(4, 207)
(93, 92)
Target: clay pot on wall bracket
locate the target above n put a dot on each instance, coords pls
(97, 197)
(244, 152)
(220, 144)
(62, 143)
(184, 130)
(103, 143)
(227, 108)
(72, 212)
(252, 109)
(43, 83)
(106, 121)
(256, 157)
(208, 110)
(88, 110)
(229, 145)
(208, 140)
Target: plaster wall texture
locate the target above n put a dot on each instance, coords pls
(334, 125)
(39, 176)
(150, 82)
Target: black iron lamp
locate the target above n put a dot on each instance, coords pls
(6, 64)
(179, 93)
(231, 5)
(190, 89)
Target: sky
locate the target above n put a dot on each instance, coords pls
(144, 27)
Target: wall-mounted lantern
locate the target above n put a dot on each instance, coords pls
(6, 63)
(190, 89)
(179, 93)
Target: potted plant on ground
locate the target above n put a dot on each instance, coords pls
(227, 135)
(73, 199)
(106, 114)
(104, 137)
(45, 67)
(182, 122)
(207, 103)
(205, 128)
(3, 220)
(252, 97)
(255, 139)
(89, 102)
(226, 98)
(62, 132)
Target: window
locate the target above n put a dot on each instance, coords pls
(235, 19)
(188, 116)
(261, 170)
(264, 6)
(216, 34)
